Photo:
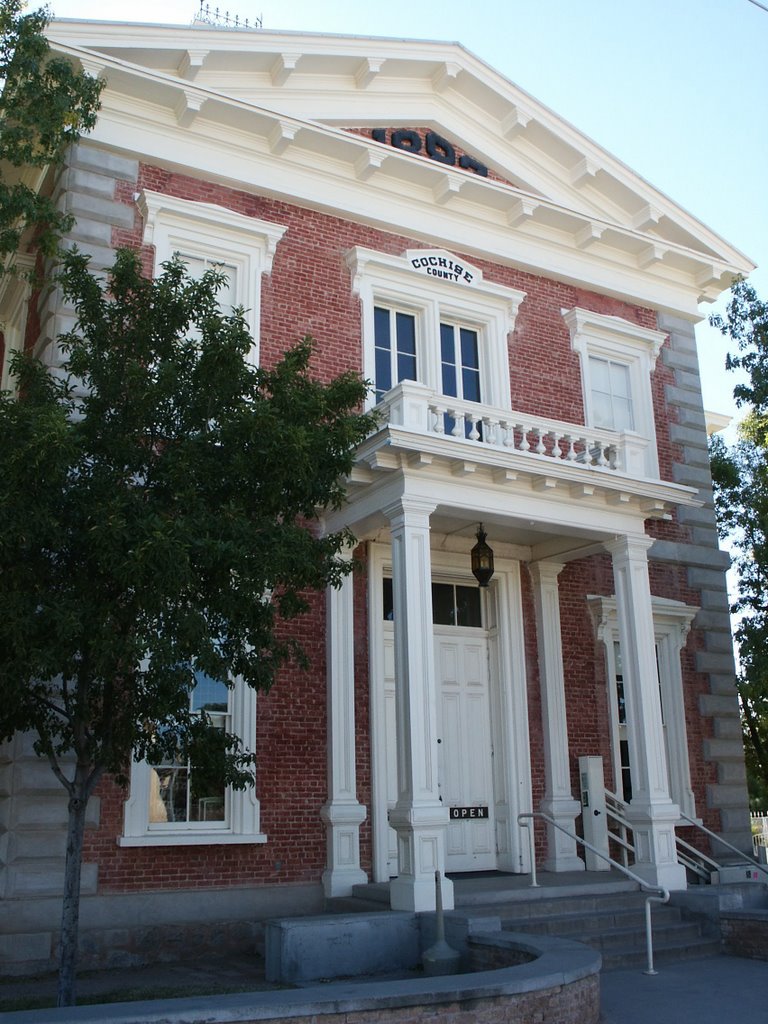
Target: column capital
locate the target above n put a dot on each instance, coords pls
(407, 510)
(629, 545)
(546, 571)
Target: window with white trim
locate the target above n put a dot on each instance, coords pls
(208, 236)
(617, 358)
(168, 806)
(448, 332)
(671, 622)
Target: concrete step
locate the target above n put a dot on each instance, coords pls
(663, 953)
(595, 923)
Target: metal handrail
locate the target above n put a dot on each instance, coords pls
(663, 896)
(713, 835)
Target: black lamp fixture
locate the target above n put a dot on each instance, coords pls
(482, 559)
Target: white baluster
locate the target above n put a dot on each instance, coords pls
(458, 422)
(524, 443)
(541, 448)
(509, 433)
(571, 455)
(474, 433)
(439, 426)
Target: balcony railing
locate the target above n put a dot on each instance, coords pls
(416, 407)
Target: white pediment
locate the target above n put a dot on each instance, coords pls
(335, 98)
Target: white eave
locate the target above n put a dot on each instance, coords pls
(615, 233)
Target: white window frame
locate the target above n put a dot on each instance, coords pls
(243, 809)
(15, 290)
(637, 348)
(217, 235)
(490, 309)
(671, 624)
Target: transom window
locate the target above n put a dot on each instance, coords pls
(453, 604)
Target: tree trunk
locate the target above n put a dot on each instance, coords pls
(70, 914)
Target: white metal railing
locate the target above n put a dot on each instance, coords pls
(759, 822)
(614, 811)
(663, 895)
(417, 407)
(734, 849)
(689, 856)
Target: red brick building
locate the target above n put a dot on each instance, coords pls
(524, 305)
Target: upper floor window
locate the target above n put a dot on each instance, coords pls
(617, 358)
(611, 394)
(445, 330)
(207, 236)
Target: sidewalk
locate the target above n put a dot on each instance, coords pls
(717, 990)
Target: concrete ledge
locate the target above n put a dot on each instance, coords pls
(561, 984)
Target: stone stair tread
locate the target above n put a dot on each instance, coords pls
(665, 952)
(620, 917)
(635, 938)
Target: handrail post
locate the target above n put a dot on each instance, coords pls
(649, 936)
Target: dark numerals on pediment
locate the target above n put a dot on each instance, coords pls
(430, 144)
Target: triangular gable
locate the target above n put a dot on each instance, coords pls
(543, 177)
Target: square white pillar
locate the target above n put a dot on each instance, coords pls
(342, 813)
(418, 817)
(651, 810)
(558, 801)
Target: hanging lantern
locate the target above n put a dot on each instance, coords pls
(482, 559)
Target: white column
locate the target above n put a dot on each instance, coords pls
(651, 810)
(342, 813)
(418, 817)
(558, 800)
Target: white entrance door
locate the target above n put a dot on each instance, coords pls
(465, 754)
(465, 757)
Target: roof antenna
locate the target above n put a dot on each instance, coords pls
(222, 19)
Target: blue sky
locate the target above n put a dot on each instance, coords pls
(677, 89)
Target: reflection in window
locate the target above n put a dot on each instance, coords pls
(178, 795)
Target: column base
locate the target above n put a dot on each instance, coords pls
(407, 892)
(420, 853)
(562, 850)
(653, 829)
(342, 821)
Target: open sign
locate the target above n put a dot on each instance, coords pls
(467, 813)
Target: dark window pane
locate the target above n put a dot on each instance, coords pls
(381, 327)
(468, 606)
(405, 325)
(388, 599)
(209, 694)
(447, 345)
(469, 351)
(383, 371)
(470, 382)
(406, 367)
(449, 379)
(442, 604)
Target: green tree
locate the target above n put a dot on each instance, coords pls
(160, 500)
(740, 475)
(45, 105)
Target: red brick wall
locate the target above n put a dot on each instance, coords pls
(309, 291)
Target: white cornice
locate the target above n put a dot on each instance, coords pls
(183, 124)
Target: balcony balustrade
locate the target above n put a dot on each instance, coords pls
(417, 408)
